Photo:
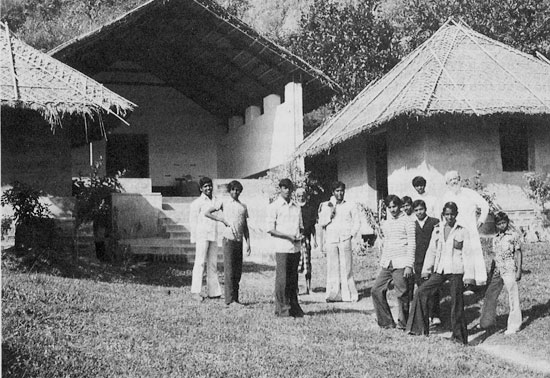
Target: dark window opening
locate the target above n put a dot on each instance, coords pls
(514, 148)
(128, 152)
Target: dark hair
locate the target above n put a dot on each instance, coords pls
(407, 199)
(419, 181)
(419, 203)
(451, 206)
(286, 183)
(205, 180)
(393, 198)
(337, 184)
(501, 216)
(235, 185)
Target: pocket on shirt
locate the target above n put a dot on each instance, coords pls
(458, 244)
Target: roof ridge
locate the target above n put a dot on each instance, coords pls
(507, 71)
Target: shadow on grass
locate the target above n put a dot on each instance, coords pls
(12, 361)
(364, 293)
(251, 267)
(62, 263)
(535, 312)
(337, 310)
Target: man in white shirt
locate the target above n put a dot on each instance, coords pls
(340, 222)
(204, 234)
(284, 224)
(468, 202)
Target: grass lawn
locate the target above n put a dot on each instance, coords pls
(85, 319)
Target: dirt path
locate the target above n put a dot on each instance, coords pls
(512, 355)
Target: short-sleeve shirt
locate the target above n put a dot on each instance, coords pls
(505, 245)
(203, 228)
(235, 213)
(285, 217)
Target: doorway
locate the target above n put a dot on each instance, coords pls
(128, 152)
(380, 152)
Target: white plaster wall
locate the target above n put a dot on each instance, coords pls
(431, 148)
(265, 140)
(353, 171)
(182, 136)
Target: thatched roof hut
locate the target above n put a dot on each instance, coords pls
(30, 79)
(200, 49)
(456, 71)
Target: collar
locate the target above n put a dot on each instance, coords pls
(422, 222)
(401, 214)
(333, 201)
(507, 232)
(282, 202)
(205, 197)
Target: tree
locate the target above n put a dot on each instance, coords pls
(523, 24)
(348, 42)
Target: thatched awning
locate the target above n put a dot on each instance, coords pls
(456, 71)
(33, 80)
(200, 49)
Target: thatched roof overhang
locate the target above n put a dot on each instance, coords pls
(33, 80)
(456, 72)
(197, 47)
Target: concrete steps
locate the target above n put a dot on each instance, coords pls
(174, 243)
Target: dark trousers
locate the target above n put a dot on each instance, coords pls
(434, 309)
(380, 300)
(286, 285)
(233, 268)
(419, 318)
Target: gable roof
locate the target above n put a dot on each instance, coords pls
(203, 51)
(456, 71)
(34, 80)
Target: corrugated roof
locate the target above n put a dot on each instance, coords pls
(197, 47)
(34, 80)
(456, 71)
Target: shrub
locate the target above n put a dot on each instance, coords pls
(476, 184)
(25, 201)
(538, 188)
(93, 195)
(33, 225)
(300, 179)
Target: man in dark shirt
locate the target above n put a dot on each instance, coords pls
(309, 219)
(424, 226)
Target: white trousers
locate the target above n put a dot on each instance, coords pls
(340, 282)
(206, 255)
(511, 285)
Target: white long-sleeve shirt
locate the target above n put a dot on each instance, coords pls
(399, 242)
(344, 225)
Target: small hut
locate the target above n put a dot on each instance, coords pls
(459, 101)
(47, 106)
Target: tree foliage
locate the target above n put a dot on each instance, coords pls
(44, 24)
(348, 42)
(523, 24)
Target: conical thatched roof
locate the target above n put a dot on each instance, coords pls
(456, 71)
(34, 80)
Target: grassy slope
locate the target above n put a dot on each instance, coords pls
(136, 324)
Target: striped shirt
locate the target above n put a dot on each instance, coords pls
(399, 242)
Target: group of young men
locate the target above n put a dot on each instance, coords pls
(419, 252)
